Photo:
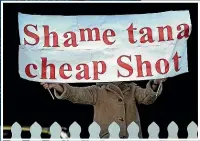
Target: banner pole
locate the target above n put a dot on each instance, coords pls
(158, 88)
(51, 94)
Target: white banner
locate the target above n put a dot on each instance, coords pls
(103, 48)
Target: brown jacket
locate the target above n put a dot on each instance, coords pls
(112, 103)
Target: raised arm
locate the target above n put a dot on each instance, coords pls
(81, 95)
(149, 94)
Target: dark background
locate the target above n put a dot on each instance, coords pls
(26, 102)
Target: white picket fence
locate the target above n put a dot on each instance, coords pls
(94, 130)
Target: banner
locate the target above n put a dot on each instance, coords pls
(68, 49)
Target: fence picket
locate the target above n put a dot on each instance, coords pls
(114, 130)
(172, 130)
(55, 131)
(16, 131)
(94, 130)
(153, 131)
(192, 130)
(35, 131)
(75, 131)
(133, 131)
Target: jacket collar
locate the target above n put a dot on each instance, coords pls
(116, 89)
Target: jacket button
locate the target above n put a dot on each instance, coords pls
(121, 119)
(120, 100)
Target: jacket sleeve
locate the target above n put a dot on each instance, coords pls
(80, 95)
(147, 95)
